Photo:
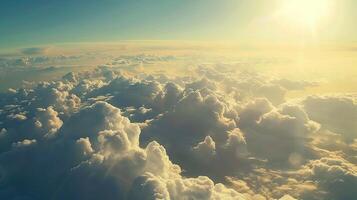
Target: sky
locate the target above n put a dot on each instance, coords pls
(42, 22)
(178, 99)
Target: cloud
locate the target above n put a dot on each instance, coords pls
(198, 115)
(275, 93)
(336, 113)
(23, 143)
(205, 149)
(105, 157)
(277, 134)
(335, 177)
(207, 132)
(294, 84)
(129, 92)
(33, 50)
(47, 121)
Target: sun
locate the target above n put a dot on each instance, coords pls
(307, 13)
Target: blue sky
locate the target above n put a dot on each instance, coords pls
(40, 22)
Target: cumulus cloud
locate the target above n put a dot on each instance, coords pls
(333, 176)
(336, 113)
(216, 132)
(199, 118)
(277, 134)
(105, 157)
(47, 121)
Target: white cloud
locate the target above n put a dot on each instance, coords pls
(24, 143)
(47, 121)
(117, 133)
(336, 113)
(105, 156)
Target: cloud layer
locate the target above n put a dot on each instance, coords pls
(214, 132)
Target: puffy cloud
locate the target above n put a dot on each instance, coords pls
(105, 158)
(335, 176)
(150, 94)
(192, 188)
(330, 177)
(18, 117)
(47, 121)
(201, 84)
(41, 124)
(205, 149)
(250, 114)
(277, 134)
(23, 143)
(275, 93)
(80, 137)
(86, 86)
(335, 113)
(99, 117)
(56, 94)
(236, 144)
(199, 120)
(130, 92)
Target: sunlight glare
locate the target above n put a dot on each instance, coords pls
(306, 13)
